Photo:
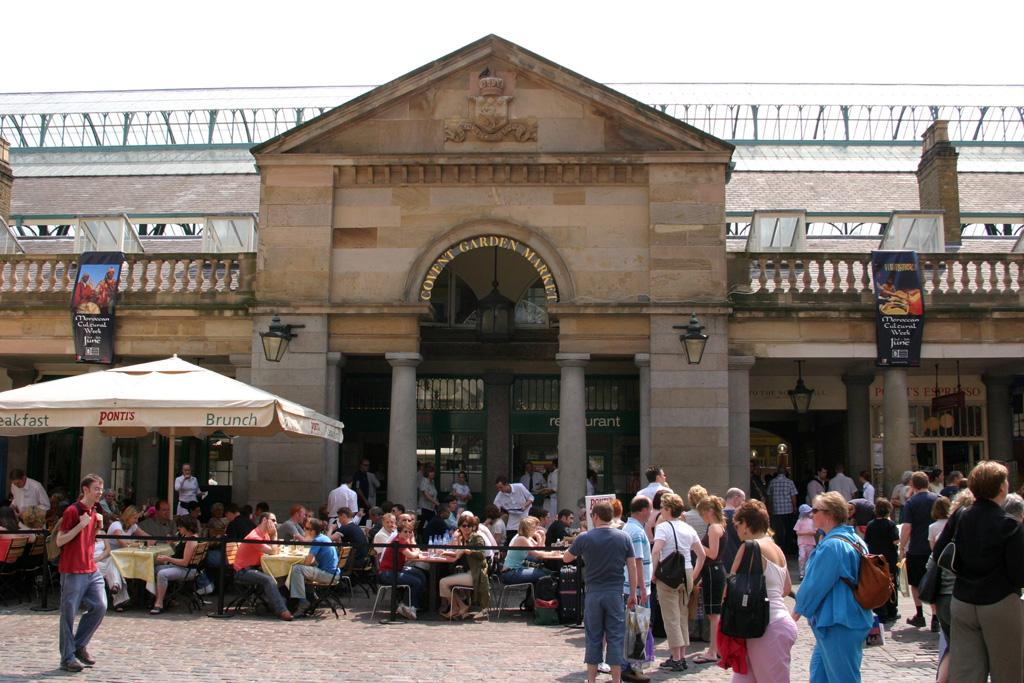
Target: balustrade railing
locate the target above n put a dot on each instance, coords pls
(195, 274)
(832, 276)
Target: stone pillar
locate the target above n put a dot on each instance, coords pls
(643, 362)
(896, 416)
(572, 429)
(239, 444)
(937, 181)
(17, 446)
(332, 408)
(96, 449)
(858, 422)
(739, 421)
(998, 412)
(690, 404)
(282, 470)
(498, 400)
(402, 482)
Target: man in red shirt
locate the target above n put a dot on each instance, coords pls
(80, 582)
(247, 564)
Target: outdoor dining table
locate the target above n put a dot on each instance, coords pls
(436, 559)
(280, 565)
(140, 563)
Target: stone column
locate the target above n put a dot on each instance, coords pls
(572, 429)
(643, 362)
(17, 446)
(896, 415)
(402, 482)
(240, 444)
(96, 449)
(499, 427)
(332, 408)
(739, 421)
(858, 422)
(999, 416)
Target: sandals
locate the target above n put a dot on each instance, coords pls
(157, 610)
(703, 659)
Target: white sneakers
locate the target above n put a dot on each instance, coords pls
(205, 590)
(407, 611)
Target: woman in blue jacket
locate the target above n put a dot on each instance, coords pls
(839, 623)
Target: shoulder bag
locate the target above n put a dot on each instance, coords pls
(672, 570)
(745, 607)
(947, 558)
(931, 582)
(874, 584)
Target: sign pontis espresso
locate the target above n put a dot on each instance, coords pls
(899, 302)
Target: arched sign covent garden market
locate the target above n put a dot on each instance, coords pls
(488, 242)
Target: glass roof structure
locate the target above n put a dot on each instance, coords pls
(827, 113)
(920, 231)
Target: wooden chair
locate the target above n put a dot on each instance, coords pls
(251, 597)
(9, 572)
(187, 587)
(329, 594)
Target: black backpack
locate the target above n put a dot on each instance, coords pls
(546, 588)
(745, 607)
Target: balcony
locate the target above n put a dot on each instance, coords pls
(147, 280)
(843, 281)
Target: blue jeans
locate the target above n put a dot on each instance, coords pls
(411, 577)
(837, 654)
(604, 618)
(524, 575)
(267, 584)
(76, 590)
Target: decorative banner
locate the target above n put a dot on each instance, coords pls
(899, 321)
(92, 306)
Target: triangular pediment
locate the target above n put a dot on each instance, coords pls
(492, 96)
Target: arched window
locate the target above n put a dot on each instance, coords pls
(532, 307)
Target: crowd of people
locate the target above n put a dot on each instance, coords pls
(826, 525)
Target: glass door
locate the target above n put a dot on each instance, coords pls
(926, 455)
(961, 455)
(451, 453)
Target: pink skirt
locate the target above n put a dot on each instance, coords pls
(768, 656)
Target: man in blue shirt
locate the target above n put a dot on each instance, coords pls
(605, 551)
(320, 565)
(635, 528)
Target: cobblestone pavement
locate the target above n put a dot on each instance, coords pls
(133, 646)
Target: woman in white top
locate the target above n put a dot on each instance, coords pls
(427, 494)
(768, 656)
(668, 537)
(187, 487)
(126, 527)
(461, 492)
(494, 523)
(940, 513)
(111, 575)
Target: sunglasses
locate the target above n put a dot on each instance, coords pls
(813, 510)
(466, 526)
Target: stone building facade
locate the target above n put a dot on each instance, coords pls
(386, 222)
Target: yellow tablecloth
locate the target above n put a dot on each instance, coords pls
(280, 565)
(140, 563)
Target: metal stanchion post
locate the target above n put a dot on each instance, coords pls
(220, 613)
(47, 578)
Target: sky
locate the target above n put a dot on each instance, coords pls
(114, 45)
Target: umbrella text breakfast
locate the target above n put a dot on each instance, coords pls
(170, 396)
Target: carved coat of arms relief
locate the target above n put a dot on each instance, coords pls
(490, 120)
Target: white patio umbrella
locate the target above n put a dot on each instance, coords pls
(170, 396)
